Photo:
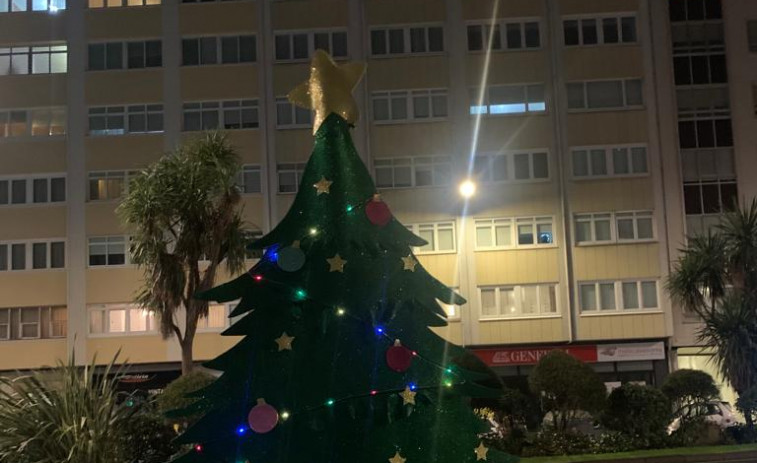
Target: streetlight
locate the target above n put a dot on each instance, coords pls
(467, 189)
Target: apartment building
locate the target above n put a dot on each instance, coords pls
(599, 132)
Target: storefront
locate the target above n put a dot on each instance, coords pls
(640, 362)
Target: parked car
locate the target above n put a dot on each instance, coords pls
(716, 412)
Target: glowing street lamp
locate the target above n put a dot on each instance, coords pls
(467, 189)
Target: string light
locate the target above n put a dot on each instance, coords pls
(241, 430)
(340, 311)
(379, 330)
(448, 370)
(412, 386)
(313, 231)
(349, 208)
(330, 402)
(300, 294)
(284, 415)
(198, 448)
(257, 277)
(374, 392)
(448, 383)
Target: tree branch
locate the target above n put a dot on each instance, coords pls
(177, 331)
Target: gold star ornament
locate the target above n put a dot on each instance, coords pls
(481, 451)
(322, 186)
(397, 458)
(408, 396)
(336, 263)
(329, 89)
(284, 341)
(409, 263)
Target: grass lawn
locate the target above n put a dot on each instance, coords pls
(645, 453)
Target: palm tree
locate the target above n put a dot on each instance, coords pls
(69, 414)
(184, 209)
(716, 278)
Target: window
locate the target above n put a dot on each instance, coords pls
(440, 237)
(407, 40)
(508, 99)
(32, 191)
(33, 323)
(407, 105)
(694, 10)
(219, 50)
(609, 161)
(125, 55)
(710, 197)
(605, 94)
(217, 318)
(249, 180)
(119, 3)
(593, 228)
(518, 301)
(13, 6)
(291, 116)
(300, 45)
(107, 250)
(600, 30)
(41, 59)
(109, 184)
(751, 30)
(704, 132)
(32, 122)
(634, 226)
(32, 255)
(510, 233)
(700, 69)
(610, 227)
(617, 296)
(119, 120)
(289, 176)
(416, 171)
(210, 115)
(511, 167)
(517, 35)
(121, 319)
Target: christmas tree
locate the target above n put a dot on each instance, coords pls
(338, 363)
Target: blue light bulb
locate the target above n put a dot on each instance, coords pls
(241, 430)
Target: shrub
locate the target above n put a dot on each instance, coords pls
(177, 395)
(697, 431)
(552, 443)
(566, 386)
(688, 391)
(641, 412)
(147, 438)
(613, 442)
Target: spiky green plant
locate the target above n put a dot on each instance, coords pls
(716, 278)
(68, 414)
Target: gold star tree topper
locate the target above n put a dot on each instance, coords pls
(397, 458)
(329, 89)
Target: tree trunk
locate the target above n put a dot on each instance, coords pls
(749, 421)
(187, 360)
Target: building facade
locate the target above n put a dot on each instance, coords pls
(600, 133)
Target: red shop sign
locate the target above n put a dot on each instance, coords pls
(532, 355)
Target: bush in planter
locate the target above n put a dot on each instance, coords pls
(566, 387)
(641, 412)
(177, 395)
(553, 443)
(689, 391)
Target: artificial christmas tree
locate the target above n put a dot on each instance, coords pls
(337, 363)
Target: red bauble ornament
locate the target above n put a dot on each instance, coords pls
(399, 357)
(263, 417)
(377, 211)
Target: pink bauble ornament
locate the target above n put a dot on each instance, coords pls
(263, 417)
(377, 211)
(398, 357)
